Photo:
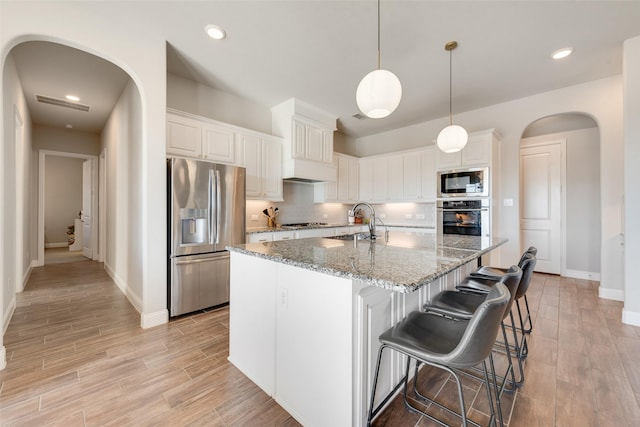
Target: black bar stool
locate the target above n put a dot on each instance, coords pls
(447, 344)
(494, 273)
(462, 305)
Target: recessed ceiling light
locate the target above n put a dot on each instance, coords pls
(562, 53)
(72, 98)
(68, 126)
(215, 32)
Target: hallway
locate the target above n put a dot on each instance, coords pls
(76, 356)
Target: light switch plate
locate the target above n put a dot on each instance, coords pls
(507, 202)
(254, 217)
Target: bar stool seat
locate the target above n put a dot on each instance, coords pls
(447, 344)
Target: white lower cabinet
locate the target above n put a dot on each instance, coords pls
(310, 340)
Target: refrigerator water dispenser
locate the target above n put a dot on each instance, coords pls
(194, 226)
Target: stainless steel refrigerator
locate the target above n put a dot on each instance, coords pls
(206, 203)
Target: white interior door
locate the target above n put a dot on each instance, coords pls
(87, 214)
(541, 204)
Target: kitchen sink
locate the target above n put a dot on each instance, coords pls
(356, 236)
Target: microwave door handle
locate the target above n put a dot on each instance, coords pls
(218, 197)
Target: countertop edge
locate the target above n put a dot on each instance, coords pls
(382, 283)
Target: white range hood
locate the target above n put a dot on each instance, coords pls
(307, 133)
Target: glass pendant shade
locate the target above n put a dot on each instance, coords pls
(378, 94)
(452, 138)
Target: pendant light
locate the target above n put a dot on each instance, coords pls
(452, 138)
(379, 92)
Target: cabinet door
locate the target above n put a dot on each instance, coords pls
(299, 139)
(428, 173)
(380, 179)
(366, 179)
(447, 160)
(315, 144)
(395, 177)
(343, 178)
(184, 136)
(331, 188)
(354, 174)
(218, 144)
(477, 151)
(272, 170)
(252, 161)
(411, 176)
(327, 146)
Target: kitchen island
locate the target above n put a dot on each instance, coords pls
(305, 315)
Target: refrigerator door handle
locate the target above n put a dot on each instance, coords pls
(218, 192)
(211, 228)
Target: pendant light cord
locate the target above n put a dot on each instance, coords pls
(450, 87)
(378, 34)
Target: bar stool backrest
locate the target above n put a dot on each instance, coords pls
(511, 279)
(532, 250)
(480, 334)
(527, 271)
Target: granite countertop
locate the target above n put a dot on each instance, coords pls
(405, 263)
(257, 230)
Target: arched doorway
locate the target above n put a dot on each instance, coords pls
(560, 194)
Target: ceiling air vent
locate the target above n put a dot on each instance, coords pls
(62, 103)
(359, 116)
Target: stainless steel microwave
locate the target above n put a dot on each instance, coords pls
(473, 182)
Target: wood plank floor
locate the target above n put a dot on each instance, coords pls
(77, 357)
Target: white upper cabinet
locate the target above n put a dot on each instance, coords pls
(478, 152)
(218, 144)
(200, 138)
(407, 176)
(345, 189)
(184, 136)
(307, 134)
(262, 159)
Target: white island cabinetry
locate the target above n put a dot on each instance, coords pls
(309, 338)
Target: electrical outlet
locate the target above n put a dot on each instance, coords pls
(254, 217)
(382, 216)
(284, 297)
(419, 216)
(408, 216)
(507, 202)
(325, 216)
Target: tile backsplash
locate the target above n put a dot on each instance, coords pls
(298, 206)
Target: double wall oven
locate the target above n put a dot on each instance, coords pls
(463, 202)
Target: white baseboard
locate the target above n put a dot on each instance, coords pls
(56, 245)
(586, 275)
(147, 320)
(150, 320)
(3, 357)
(630, 317)
(25, 279)
(614, 294)
(124, 288)
(8, 314)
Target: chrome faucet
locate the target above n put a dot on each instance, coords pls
(372, 218)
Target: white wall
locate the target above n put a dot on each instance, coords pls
(15, 225)
(195, 98)
(582, 199)
(631, 71)
(143, 56)
(121, 138)
(600, 99)
(64, 140)
(63, 196)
